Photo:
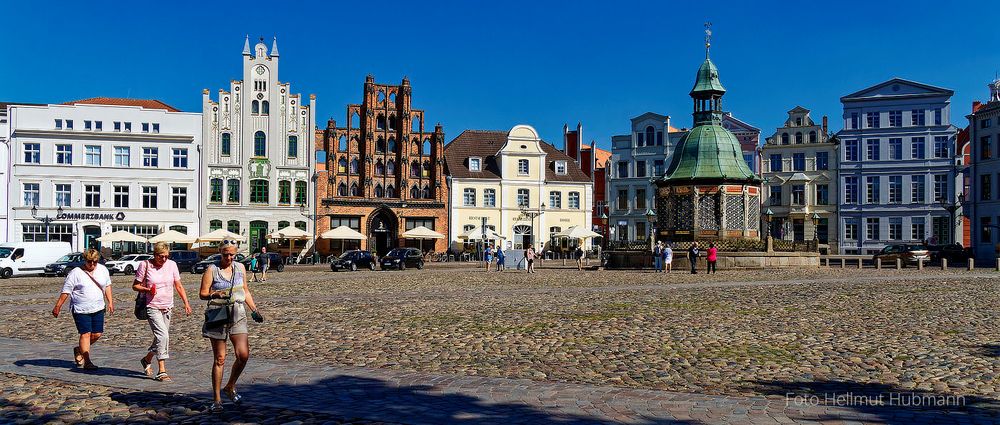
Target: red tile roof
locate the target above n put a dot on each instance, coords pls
(486, 143)
(120, 101)
(602, 156)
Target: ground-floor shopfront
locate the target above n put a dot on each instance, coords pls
(255, 224)
(382, 224)
(82, 228)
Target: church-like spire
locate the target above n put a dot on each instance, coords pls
(274, 47)
(707, 91)
(246, 46)
(708, 38)
(995, 90)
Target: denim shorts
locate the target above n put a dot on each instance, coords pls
(90, 322)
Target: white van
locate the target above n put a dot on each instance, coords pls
(29, 258)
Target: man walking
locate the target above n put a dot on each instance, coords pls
(263, 261)
(693, 257)
(579, 258)
(658, 257)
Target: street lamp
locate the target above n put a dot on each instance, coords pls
(312, 217)
(45, 218)
(951, 207)
(530, 215)
(604, 230)
(651, 218)
(815, 219)
(769, 215)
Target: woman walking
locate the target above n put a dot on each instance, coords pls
(668, 257)
(529, 254)
(158, 279)
(88, 289)
(488, 257)
(713, 255)
(226, 318)
(501, 257)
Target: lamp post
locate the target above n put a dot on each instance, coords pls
(815, 219)
(951, 207)
(525, 212)
(651, 218)
(604, 230)
(312, 217)
(768, 215)
(45, 219)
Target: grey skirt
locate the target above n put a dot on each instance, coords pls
(237, 326)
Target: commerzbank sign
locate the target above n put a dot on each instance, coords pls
(119, 216)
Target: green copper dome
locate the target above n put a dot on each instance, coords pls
(707, 80)
(709, 153)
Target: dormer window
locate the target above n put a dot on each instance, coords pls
(522, 167)
(561, 168)
(475, 164)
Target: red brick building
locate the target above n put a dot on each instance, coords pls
(383, 172)
(593, 161)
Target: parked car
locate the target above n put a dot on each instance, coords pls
(955, 253)
(127, 264)
(215, 259)
(66, 264)
(29, 258)
(910, 254)
(401, 258)
(353, 260)
(276, 261)
(185, 259)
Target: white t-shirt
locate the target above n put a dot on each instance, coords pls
(84, 296)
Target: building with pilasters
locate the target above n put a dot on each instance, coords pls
(984, 135)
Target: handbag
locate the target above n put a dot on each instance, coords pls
(220, 314)
(140, 299)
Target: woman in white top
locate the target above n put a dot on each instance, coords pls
(88, 289)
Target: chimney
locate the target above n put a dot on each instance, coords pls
(825, 122)
(975, 105)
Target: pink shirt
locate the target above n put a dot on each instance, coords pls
(164, 278)
(712, 253)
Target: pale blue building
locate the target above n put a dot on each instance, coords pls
(984, 135)
(898, 167)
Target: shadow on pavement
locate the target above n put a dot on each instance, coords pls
(66, 364)
(882, 403)
(989, 350)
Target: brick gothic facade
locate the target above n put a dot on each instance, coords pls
(383, 173)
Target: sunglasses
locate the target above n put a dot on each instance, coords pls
(229, 242)
(92, 261)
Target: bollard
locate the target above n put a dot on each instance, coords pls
(998, 264)
(564, 261)
(972, 264)
(899, 264)
(843, 262)
(588, 261)
(878, 264)
(859, 262)
(920, 264)
(944, 263)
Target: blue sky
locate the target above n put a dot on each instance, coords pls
(491, 65)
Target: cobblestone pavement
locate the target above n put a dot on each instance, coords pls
(757, 334)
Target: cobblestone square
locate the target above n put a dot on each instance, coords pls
(738, 338)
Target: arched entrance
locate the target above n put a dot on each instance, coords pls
(382, 231)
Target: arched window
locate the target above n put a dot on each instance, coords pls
(380, 122)
(282, 224)
(381, 96)
(392, 97)
(650, 134)
(301, 225)
(379, 191)
(812, 136)
(300, 192)
(392, 144)
(354, 165)
(342, 189)
(392, 122)
(390, 168)
(293, 146)
(414, 169)
(380, 145)
(798, 137)
(214, 225)
(390, 192)
(233, 226)
(355, 120)
(379, 168)
(784, 138)
(258, 191)
(227, 143)
(215, 193)
(427, 147)
(255, 107)
(415, 124)
(425, 169)
(265, 107)
(426, 193)
(342, 165)
(354, 189)
(415, 192)
(342, 144)
(234, 190)
(259, 144)
(416, 147)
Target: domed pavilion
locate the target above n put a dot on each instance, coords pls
(708, 192)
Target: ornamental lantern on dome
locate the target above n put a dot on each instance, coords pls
(708, 191)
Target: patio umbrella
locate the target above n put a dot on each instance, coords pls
(421, 232)
(290, 232)
(173, 236)
(122, 236)
(577, 232)
(220, 235)
(476, 233)
(343, 233)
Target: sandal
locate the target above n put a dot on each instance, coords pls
(215, 408)
(90, 366)
(163, 377)
(147, 367)
(77, 357)
(234, 396)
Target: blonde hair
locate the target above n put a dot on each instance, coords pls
(228, 244)
(161, 248)
(92, 255)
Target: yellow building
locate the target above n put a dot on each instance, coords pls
(523, 189)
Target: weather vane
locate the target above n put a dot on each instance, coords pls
(708, 37)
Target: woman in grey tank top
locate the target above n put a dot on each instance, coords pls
(225, 285)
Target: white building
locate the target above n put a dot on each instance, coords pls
(258, 152)
(109, 164)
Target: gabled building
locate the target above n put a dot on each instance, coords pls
(898, 167)
(800, 181)
(984, 136)
(593, 162)
(749, 138)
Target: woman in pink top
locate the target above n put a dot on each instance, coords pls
(713, 255)
(158, 279)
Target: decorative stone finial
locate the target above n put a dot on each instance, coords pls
(708, 37)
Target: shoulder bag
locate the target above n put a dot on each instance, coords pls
(140, 298)
(219, 314)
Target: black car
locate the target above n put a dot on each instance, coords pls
(66, 264)
(955, 253)
(275, 261)
(211, 259)
(401, 258)
(353, 260)
(184, 259)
